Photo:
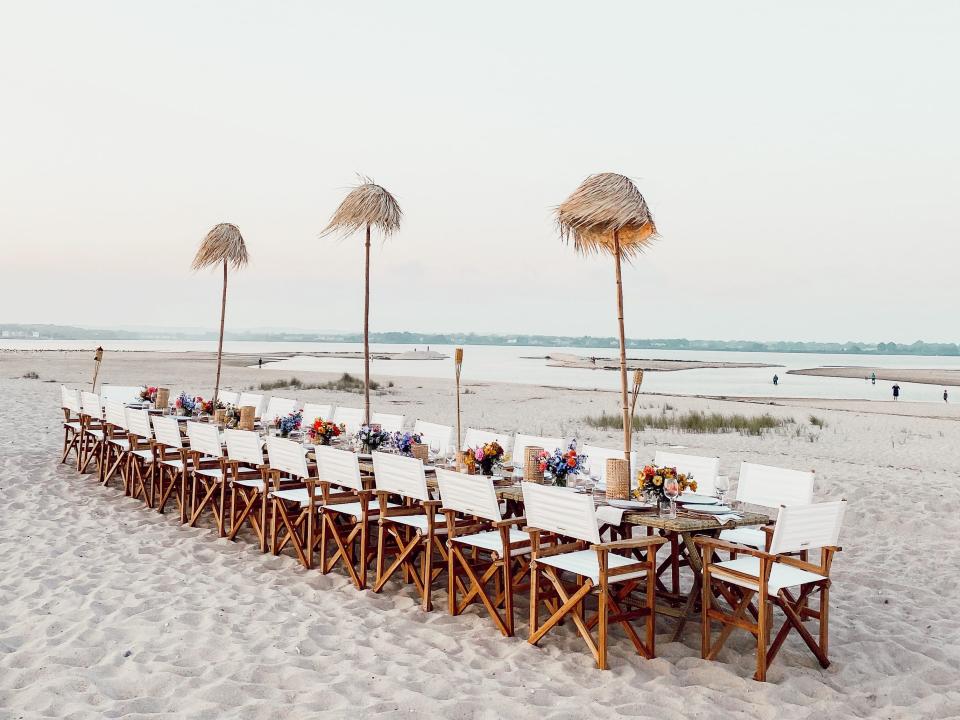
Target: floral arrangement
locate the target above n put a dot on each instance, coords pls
(650, 481)
(186, 403)
(148, 394)
(206, 406)
(322, 431)
(562, 464)
(404, 441)
(289, 423)
(369, 437)
(487, 456)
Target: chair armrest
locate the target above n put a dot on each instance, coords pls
(630, 543)
(710, 543)
(510, 521)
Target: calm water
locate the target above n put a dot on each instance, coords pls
(513, 364)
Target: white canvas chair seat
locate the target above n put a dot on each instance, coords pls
(120, 442)
(98, 434)
(210, 472)
(749, 536)
(145, 455)
(355, 509)
(249, 482)
(491, 540)
(298, 495)
(586, 564)
(781, 574)
(419, 522)
(178, 464)
(75, 424)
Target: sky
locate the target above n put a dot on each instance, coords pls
(801, 161)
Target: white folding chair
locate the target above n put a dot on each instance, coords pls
(439, 438)
(139, 470)
(351, 418)
(473, 437)
(91, 432)
(116, 443)
(209, 474)
(312, 411)
(70, 403)
(295, 503)
(703, 470)
(496, 549)
(228, 398)
(251, 400)
(775, 578)
(597, 458)
(415, 528)
(569, 520)
(278, 408)
(347, 513)
(123, 394)
(769, 487)
(171, 464)
(249, 484)
(388, 422)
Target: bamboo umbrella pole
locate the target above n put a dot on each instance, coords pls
(627, 420)
(366, 332)
(223, 315)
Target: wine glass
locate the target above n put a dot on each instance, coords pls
(722, 485)
(671, 488)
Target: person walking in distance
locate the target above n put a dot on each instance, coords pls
(945, 396)
(260, 364)
(896, 392)
(776, 380)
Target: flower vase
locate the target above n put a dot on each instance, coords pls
(666, 510)
(323, 440)
(560, 480)
(486, 468)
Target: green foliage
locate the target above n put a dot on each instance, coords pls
(693, 422)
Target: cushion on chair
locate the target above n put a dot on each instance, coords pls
(781, 574)
(490, 540)
(585, 563)
(750, 536)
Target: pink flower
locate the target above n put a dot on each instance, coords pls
(478, 454)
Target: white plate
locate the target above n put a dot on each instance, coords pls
(713, 509)
(694, 499)
(629, 504)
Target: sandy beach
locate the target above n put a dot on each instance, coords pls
(927, 376)
(111, 610)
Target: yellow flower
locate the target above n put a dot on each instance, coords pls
(657, 480)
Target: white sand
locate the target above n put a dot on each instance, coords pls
(110, 610)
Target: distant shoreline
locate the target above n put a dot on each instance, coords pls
(923, 376)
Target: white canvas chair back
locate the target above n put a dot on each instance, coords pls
(251, 400)
(279, 407)
(312, 411)
(90, 405)
(138, 423)
(474, 437)
(388, 422)
(703, 469)
(167, 432)
(438, 436)
(807, 527)
(522, 442)
(597, 457)
(340, 467)
(244, 446)
(123, 393)
(70, 399)
(116, 414)
(773, 486)
(227, 397)
(558, 510)
(401, 475)
(470, 494)
(351, 417)
(204, 438)
(287, 456)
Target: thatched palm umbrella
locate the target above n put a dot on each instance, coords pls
(607, 214)
(223, 244)
(367, 205)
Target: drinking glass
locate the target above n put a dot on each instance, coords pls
(722, 485)
(671, 488)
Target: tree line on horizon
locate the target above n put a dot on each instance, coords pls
(67, 332)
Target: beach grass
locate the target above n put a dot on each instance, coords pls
(817, 422)
(692, 422)
(345, 383)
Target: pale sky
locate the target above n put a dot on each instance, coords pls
(801, 161)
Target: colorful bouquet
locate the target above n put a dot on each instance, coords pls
(148, 394)
(561, 464)
(185, 403)
(289, 423)
(322, 431)
(404, 441)
(370, 437)
(651, 479)
(206, 406)
(487, 456)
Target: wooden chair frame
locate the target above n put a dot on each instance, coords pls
(72, 428)
(350, 535)
(795, 608)
(299, 522)
(90, 446)
(168, 480)
(138, 473)
(212, 490)
(564, 599)
(254, 509)
(482, 567)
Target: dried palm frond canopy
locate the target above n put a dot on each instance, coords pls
(368, 204)
(605, 203)
(223, 243)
